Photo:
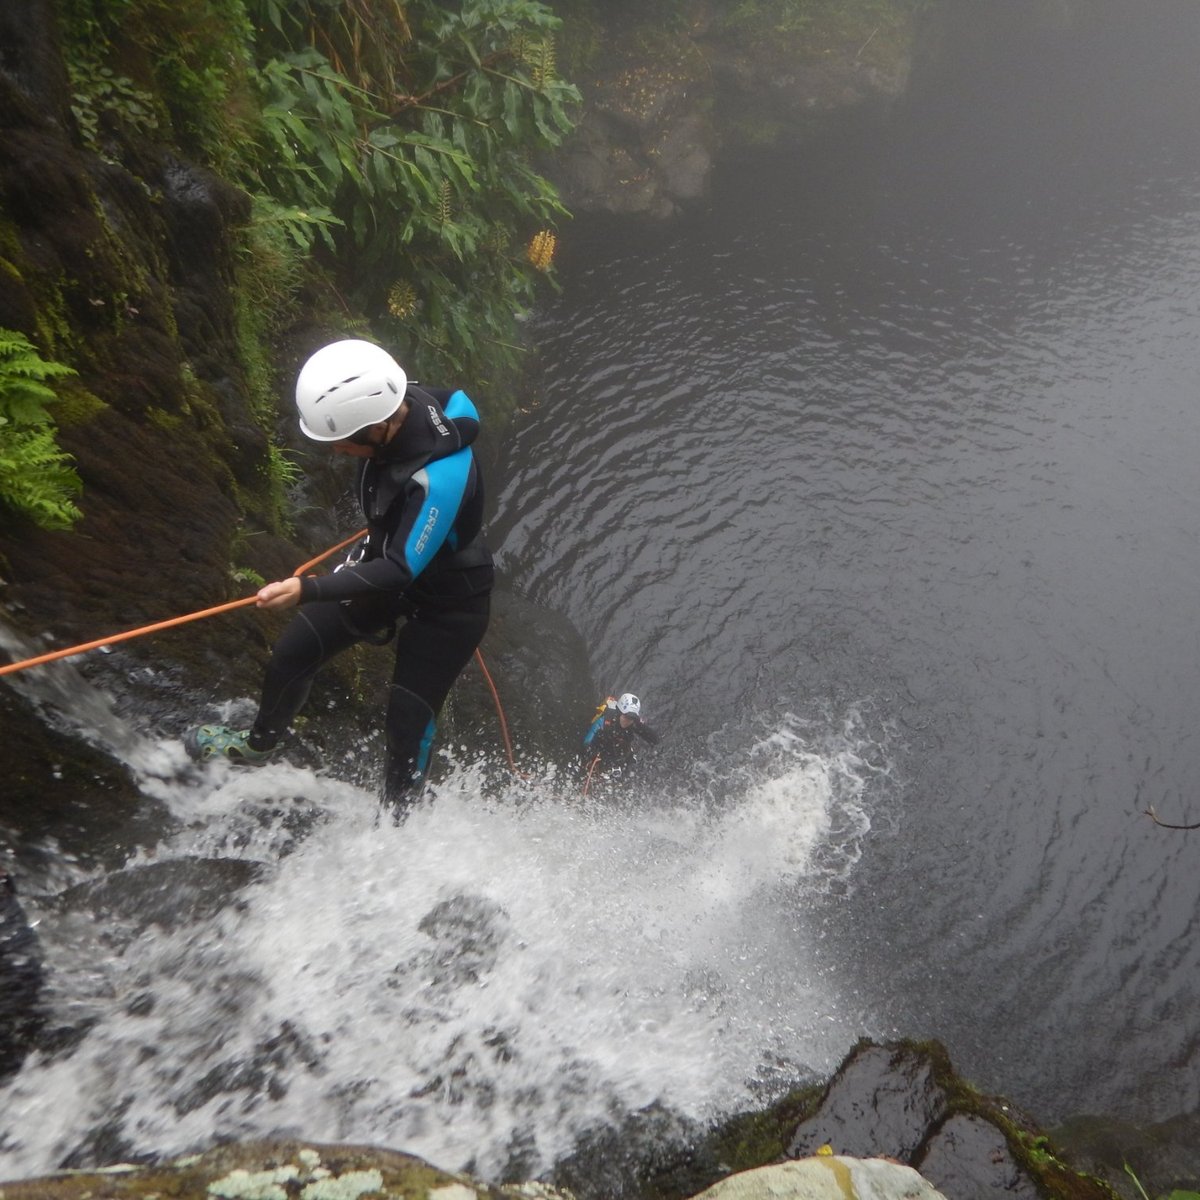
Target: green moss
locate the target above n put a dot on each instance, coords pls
(75, 405)
(10, 272)
(753, 1139)
(52, 328)
(161, 419)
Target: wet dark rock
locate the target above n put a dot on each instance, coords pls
(21, 979)
(904, 1101)
(170, 894)
(263, 1072)
(883, 1100)
(650, 1155)
(202, 209)
(968, 1156)
(468, 933)
(900, 1101)
(30, 60)
(59, 789)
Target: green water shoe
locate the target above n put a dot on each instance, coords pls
(217, 741)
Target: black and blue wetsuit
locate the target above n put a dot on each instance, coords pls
(424, 561)
(608, 746)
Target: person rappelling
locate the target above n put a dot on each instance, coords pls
(609, 746)
(423, 565)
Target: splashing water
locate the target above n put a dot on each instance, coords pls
(501, 969)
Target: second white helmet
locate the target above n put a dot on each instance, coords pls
(347, 386)
(629, 704)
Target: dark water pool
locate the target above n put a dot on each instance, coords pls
(904, 429)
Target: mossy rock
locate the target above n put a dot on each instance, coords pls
(271, 1170)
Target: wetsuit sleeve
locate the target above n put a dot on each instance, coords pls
(646, 733)
(459, 407)
(424, 523)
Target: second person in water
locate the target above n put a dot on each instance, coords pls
(610, 742)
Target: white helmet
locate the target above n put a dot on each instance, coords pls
(347, 386)
(630, 705)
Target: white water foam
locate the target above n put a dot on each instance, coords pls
(500, 971)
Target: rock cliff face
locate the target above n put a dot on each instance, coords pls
(121, 265)
(658, 112)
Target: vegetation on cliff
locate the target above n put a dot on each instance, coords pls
(384, 151)
(385, 144)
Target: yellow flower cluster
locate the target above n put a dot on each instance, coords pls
(540, 250)
(402, 299)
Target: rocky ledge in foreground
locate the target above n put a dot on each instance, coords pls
(900, 1101)
(282, 1170)
(895, 1121)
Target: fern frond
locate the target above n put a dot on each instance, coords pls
(35, 475)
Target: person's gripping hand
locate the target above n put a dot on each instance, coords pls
(284, 593)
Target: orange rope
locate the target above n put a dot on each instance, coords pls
(587, 783)
(145, 629)
(500, 713)
(242, 603)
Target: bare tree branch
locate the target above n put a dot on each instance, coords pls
(1154, 817)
